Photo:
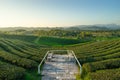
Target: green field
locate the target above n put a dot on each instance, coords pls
(21, 54)
(53, 41)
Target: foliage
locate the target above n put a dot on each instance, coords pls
(105, 64)
(11, 72)
(26, 38)
(96, 56)
(111, 74)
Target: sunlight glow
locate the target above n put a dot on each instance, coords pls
(54, 13)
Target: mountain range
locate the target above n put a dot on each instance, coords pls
(76, 27)
(95, 27)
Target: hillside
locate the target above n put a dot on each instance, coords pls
(20, 56)
(19, 59)
(99, 59)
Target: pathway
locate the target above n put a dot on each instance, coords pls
(60, 67)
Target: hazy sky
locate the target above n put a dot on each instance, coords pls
(58, 12)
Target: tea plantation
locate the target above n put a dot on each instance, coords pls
(20, 56)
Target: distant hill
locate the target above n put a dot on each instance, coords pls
(95, 27)
(110, 26)
(87, 28)
(76, 27)
(23, 28)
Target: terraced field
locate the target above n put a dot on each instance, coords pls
(17, 58)
(99, 59)
(20, 56)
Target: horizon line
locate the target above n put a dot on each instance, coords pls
(56, 26)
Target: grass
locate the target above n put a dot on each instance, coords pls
(55, 41)
(78, 77)
(32, 75)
